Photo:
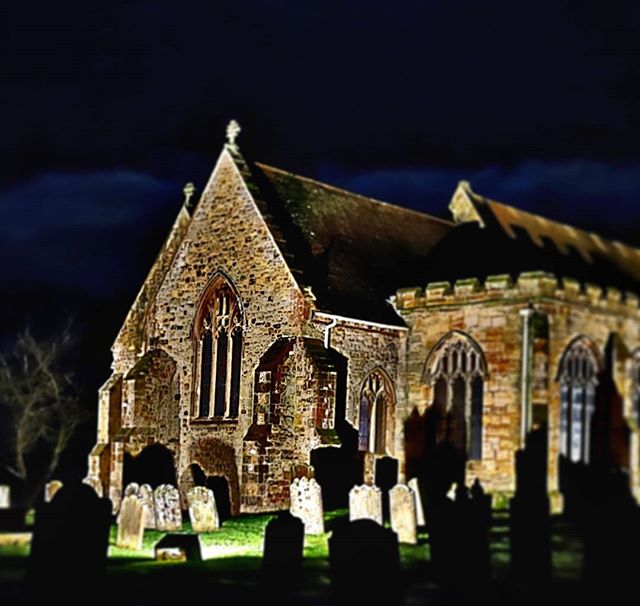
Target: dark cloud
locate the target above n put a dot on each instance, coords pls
(362, 83)
(82, 230)
(602, 196)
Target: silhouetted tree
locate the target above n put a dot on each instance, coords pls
(40, 406)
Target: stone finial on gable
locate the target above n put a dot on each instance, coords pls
(233, 130)
(462, 207)
(189, 190)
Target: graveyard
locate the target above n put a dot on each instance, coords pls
(240, 560)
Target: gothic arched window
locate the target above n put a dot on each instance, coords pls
(218, 333)
(376, 404)
(635, 387)
(456, 371)
(578, 378)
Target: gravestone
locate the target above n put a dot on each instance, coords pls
(5, 496)
(131, 523)
(132, 489)
(179, 548)
(365, 502)
(283, 549)
(402, 505)
(306, 504)
(70, 542)
(95, 483)
(202, 510)
(364, 561)
(166, 500)
(146, 496)
(415, 486)
(50, 490)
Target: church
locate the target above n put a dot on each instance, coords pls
(290, 328)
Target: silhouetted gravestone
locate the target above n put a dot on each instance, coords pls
(414, 484)
(610, 527)
(202, 510)
(306, 504)
(69, 544)
(364, 561)
(529, 514)
(96, 484)
(13, 519)
(365, 502)
(179, 547)
(445, 539)
(386, 470)
(283, 548)
(402, 505)
(146, 496)
(167, 508)
(131, 523)
(5, 496)
(530, 538)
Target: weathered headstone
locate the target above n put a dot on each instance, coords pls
(202, 509)
(365, 502)
(402, 505)
(5, 496)
(364, 561)
(414, 485)
(50, 490)
(146, 496)
(132, 489)
(306, 504)
(131, 523)
(167, 508)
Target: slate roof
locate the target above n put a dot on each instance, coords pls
(513, 241)
(354, 252)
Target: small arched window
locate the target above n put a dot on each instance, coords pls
(578, 378)
(218, 333)
(456, 370)
(376, 404)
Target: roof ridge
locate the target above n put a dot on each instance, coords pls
(334, 188)
(592, 234)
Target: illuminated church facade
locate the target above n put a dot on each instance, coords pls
(285, 319)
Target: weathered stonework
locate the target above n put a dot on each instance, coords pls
(145, 494)
(303, 362)
(167, 508)
(415, 489)
(202, 510)
(306, 504)
(365, 502)
(131, 523)
(491, 315)
(402, 505)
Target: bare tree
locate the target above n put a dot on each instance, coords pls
(41, 405)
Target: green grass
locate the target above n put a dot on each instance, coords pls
(238, 546)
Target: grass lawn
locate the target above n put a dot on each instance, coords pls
(232, 560)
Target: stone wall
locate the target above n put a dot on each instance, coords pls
(490, 314)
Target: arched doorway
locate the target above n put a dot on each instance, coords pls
(154, 466)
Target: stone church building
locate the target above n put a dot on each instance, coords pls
(286, 322)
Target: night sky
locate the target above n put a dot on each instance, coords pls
(108, 108)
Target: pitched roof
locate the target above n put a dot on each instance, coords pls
(354, 252)
(497, 238)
